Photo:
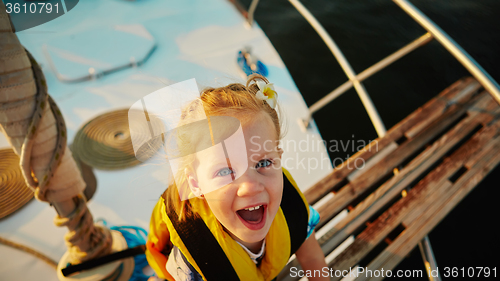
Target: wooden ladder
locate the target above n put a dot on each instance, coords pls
(412, 178)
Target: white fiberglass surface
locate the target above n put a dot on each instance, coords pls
(194, 39)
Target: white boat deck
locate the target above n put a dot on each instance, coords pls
(194, 39)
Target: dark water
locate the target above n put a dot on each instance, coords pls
(367, 31)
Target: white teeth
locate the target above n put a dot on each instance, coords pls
(253, 208)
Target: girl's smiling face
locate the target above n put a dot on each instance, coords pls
(246, 207)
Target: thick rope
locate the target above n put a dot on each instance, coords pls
(35, 128)
(85, 240)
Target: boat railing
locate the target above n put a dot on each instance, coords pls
(433, 32)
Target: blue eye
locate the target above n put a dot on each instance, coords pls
(264, 163)
(224, 172)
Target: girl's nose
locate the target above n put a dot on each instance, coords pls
(249, 186)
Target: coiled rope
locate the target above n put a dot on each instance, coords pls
(13, 190)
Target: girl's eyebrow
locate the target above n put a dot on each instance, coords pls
(220, 163)
(263, 155)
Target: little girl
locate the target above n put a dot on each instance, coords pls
(244, 215)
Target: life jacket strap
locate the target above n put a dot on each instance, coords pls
(295, 211)
(203, 247)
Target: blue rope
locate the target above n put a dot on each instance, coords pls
(135, 236)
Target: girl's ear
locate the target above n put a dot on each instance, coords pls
(280, 151)
(193, 184)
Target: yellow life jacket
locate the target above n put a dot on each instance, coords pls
(213, 253)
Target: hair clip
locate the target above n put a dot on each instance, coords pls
(266, 92)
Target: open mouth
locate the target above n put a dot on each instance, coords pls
(253, 217)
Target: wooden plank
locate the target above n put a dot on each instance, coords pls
(373, 161)
(392, 188)
(442, 171)
(485, 152)
(419, 227)
(353, 189)
(395, 252)
(464, 86)
(461, 97)
(376, 232)
(369, 238)
(461, 92)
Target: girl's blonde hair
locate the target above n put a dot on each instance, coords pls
(234, 100)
